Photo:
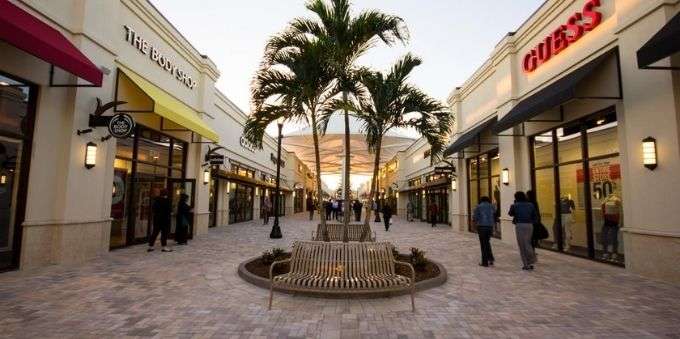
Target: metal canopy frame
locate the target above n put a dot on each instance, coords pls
(53, 84)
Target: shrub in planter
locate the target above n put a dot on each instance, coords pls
(268, 257)
(418, 259)
(278, 253)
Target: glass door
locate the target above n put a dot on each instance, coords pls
(17, 112)
(177, 187)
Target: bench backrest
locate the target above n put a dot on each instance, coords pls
(342, 260)
(335, 232)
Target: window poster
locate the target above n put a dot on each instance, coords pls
(118, 198)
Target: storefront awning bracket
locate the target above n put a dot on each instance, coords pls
(53, 84)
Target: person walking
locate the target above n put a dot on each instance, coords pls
(387, 214)
(409, 211)
(433, 210)
(310, 207)
(524, 217)
(182, 218)
(334, 209)
(266, 210)
(358, 205)
(161, 210)
(484, 219)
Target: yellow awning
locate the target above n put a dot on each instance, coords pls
(170, 108)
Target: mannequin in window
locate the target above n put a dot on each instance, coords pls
(612, 220)
(567, 208)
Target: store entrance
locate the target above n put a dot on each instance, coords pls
(178, 187)
(577, 179)
(484, 181)
(440, 197)
(17, 111)
(240, 202)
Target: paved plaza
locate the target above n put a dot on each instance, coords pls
(194, 292)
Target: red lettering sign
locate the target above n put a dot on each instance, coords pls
(563, 36)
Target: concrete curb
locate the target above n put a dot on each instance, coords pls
(420, 286)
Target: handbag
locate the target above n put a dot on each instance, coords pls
(540, 231)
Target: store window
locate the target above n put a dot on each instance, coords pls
(484, 181)
(17, 112)
(579, 192)
(240, 202)
(144, 164)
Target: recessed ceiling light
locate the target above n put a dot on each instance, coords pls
(2, 83)
(600, 122)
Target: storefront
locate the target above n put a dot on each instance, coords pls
(583, 115)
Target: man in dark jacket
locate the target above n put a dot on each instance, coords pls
(161, 210)
(387, 214)
(310, 206)
(357, 210)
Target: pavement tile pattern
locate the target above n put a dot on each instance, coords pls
(194, 292)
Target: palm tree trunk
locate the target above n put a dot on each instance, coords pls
(345, 214)
(371, 195)
(319, 192)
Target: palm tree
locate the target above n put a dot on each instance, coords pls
(390, 102)
(350, 37)
(295, 83)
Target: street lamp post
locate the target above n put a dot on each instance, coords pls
(276, 230)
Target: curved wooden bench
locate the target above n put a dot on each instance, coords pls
(335, 232)
(342, 268)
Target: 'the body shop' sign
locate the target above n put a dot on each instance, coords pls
(155, 54)
(576, 26)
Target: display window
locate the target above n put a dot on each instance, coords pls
(145, 163)
(17, 115)
(240, 202)
(579, 191)
(484, 181)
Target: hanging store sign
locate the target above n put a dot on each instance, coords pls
(146, 48)
(121, 126)
(574, 29)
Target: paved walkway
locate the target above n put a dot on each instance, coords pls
(195, 292)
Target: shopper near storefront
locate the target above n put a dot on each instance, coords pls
(387, 214)
(484, 218)
(182, 218)
(357, 210)
(433, 210)
(409, 211)
(539, 232)
(524, 217)
(310, 207)
(266, 210)
(161, 210)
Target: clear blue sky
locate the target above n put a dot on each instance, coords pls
(453, 37)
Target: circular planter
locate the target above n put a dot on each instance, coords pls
(420, 286)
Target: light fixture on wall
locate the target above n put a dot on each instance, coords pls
(649, 153)
(228, 187)
(505, 176)
(257, 191)
(423, 192)
(396, 195)
(90, 155)
(206, 176)
(454, 184)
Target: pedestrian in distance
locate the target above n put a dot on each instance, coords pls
(182, 218)
(357, 210)
(409, 211)
(484, 219)
(310, 207)
(387, 214)
(524, 217)
(161, 210)
(433, 210)
(266, 210)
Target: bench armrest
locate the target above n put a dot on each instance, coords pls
(413, 271)
(271, 268)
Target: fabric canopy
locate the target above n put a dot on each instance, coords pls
(664, 43)
(28, 33)
(170, 108)
(468, 138)
(551, 96)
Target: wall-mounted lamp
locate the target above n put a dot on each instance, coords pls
(257, 191)
(90, 155)
(649, 153)
(423, 192)
(505, 176)
(396, 195)
(3, 179)
(454, 184)
(206, 176)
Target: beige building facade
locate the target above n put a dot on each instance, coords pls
(562, 108)
(69, 190)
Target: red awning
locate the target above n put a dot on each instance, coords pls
(26, 32)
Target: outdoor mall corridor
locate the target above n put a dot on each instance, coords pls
(195, 292)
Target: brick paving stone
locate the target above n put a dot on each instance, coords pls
(194, 292)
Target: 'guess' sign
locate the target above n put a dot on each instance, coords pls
(576, 26)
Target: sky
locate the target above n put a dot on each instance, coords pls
(453, 37)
